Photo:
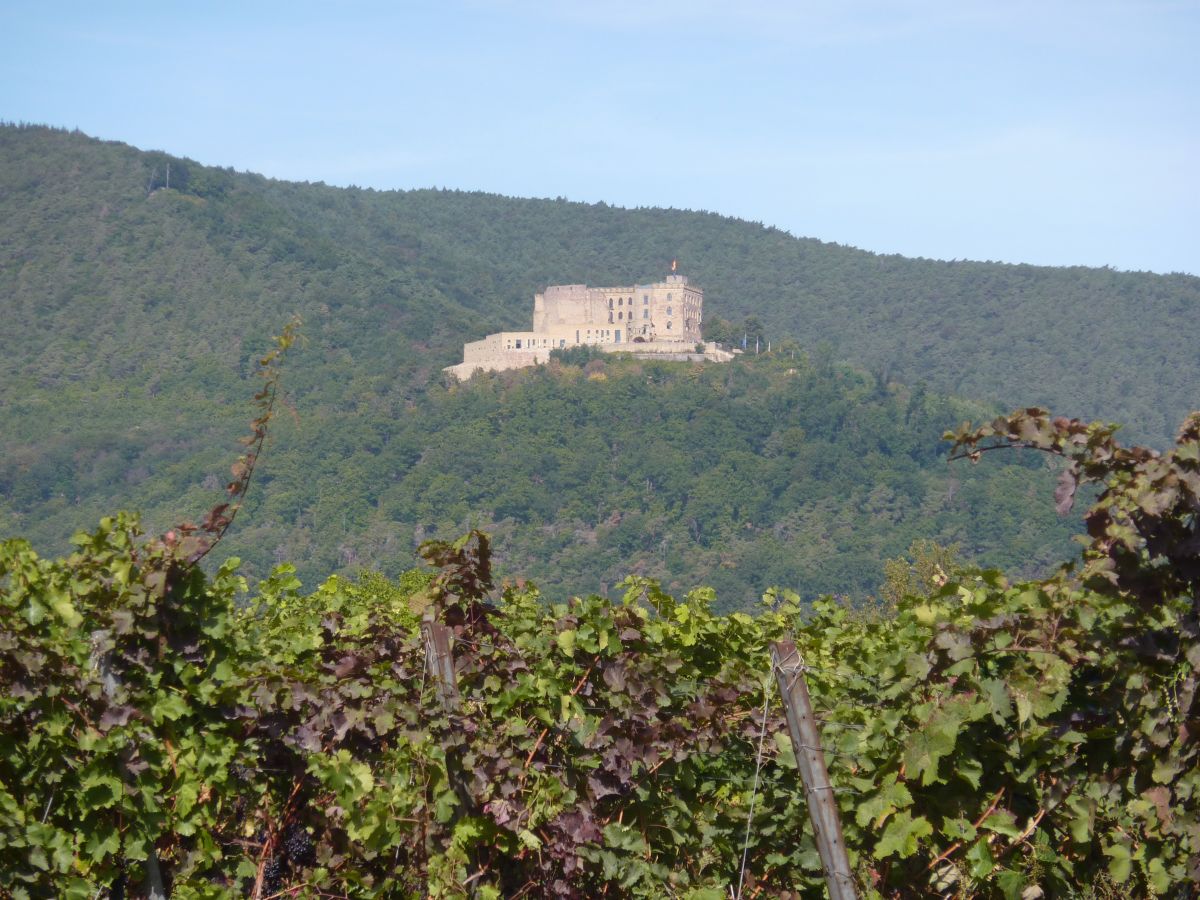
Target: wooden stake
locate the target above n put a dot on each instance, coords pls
(810, 759)
(440, 660)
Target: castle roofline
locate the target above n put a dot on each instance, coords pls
(623, 288)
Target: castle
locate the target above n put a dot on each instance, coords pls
(645, 319)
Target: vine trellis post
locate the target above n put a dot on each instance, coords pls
(810, 760)
(439, 659)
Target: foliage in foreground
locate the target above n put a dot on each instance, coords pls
(984, 738)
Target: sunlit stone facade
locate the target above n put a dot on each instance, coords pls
(663, 317)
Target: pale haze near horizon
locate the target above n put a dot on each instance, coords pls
(1051, 133)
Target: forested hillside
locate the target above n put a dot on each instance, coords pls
(136, 302)
(767, 471)
(740, 477)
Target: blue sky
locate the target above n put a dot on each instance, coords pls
(1052, 132)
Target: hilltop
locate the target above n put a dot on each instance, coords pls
(90, 237)
(135, 311)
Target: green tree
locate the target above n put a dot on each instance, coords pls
(924, 569)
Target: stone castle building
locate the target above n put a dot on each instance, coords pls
(646, 319)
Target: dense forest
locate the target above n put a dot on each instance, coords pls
(768, 471)
(98, 253)
(139, 289)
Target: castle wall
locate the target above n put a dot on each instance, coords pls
(666, 315)
(565, 305)
(506, 350)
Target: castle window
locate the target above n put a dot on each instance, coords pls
(668, 324)
(645, 313)
(610, 302)
(668, 310)
(610, 314)
(645, 299)
(518, 344)
(621, 301)
(668, 298)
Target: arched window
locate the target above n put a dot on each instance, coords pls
(668, 310)
(668, 324)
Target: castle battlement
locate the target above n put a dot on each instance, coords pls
(660, 317)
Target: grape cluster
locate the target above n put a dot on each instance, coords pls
(298, 845)
(272, 879)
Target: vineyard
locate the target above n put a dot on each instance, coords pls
(163, 732)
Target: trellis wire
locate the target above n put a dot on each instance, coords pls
(762, 734)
